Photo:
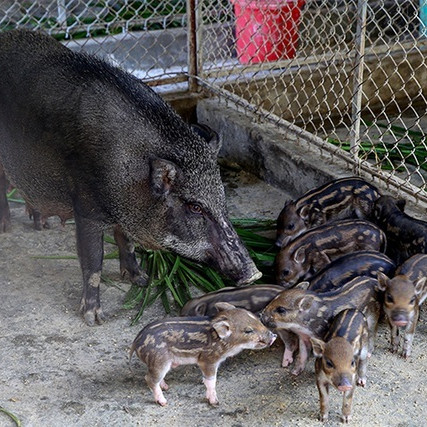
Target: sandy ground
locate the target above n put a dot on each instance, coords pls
(56, 371)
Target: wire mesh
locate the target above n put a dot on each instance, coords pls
(349, 75)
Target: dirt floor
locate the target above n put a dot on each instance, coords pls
(56, 371)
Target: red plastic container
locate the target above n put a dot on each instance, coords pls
(266, 30)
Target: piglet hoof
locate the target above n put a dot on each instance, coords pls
(345, 419)
(162, 401)
(94, 316)
(406, 354)
(297, 370)
(164, 386)
(213, 401)
(323, 418)
(361, 382)
(287, 359)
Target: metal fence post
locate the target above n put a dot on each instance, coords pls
(356, 102)
(192, 45)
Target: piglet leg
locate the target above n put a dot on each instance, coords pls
(155, 380)
(209, 379)
(290, 340)
(347, 405)
(304, 349)
(323, 388)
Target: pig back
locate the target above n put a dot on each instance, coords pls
(349, 266)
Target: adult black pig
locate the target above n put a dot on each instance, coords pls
(81, 138)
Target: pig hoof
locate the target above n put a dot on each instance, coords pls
(406, 355)
(361, 382)
(213, 402)
(297, 370)
(140, 280)
(162, 402)
(5, 226)
(94, 316)
(323, 418)
(345, 419)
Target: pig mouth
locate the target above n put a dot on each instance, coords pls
(400, 323)
(344, 388)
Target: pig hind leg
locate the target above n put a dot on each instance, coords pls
(128, 262)
(155, 380)
(40, 221)
(4, 205)
(90, 250)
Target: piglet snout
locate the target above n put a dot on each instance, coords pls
(344, 385)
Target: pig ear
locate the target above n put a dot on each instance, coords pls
(318, 346)
(302, 285)
(383, 281)
(304, 211)
(163, 175)
(305, 302)
(222, 328)
(224, 306)
(421, 289)
(299, 255)
(400, 203)
(201, 309)
(209, 135)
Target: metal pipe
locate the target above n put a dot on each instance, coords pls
(192, 45)
(356, 101)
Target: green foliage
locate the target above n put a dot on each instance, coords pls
(172, 277)
(391, 156)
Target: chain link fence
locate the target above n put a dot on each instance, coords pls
(348, 76)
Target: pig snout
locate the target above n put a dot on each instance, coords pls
(399, 318)
(267, 320)
(229, 256)
(344, 384)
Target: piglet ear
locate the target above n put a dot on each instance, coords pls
(163, 175)
(318, 346)
(299, 255)
(383, 281)
(223, 306)
(305, 302)
(222, 328)
(303, 212)
(201, 309)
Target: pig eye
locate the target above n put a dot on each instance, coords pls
(290, 226)
(249, 331)
(285, 273)
(353, 363)
(329, 364)
(412, 300)
(281, 310)
(195, 208)
(389, 298)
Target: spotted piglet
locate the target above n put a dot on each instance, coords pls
(340, 359)
(205, 341)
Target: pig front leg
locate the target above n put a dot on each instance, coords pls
(304, 350)
(394, 338)
(90, 250)
(290, 340)
(347, 405)
(409, 336)
(209, 372)
(323, 387)
(4, 205)
(128, 263)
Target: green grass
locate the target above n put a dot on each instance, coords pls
(391, 156)
(14, 418)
